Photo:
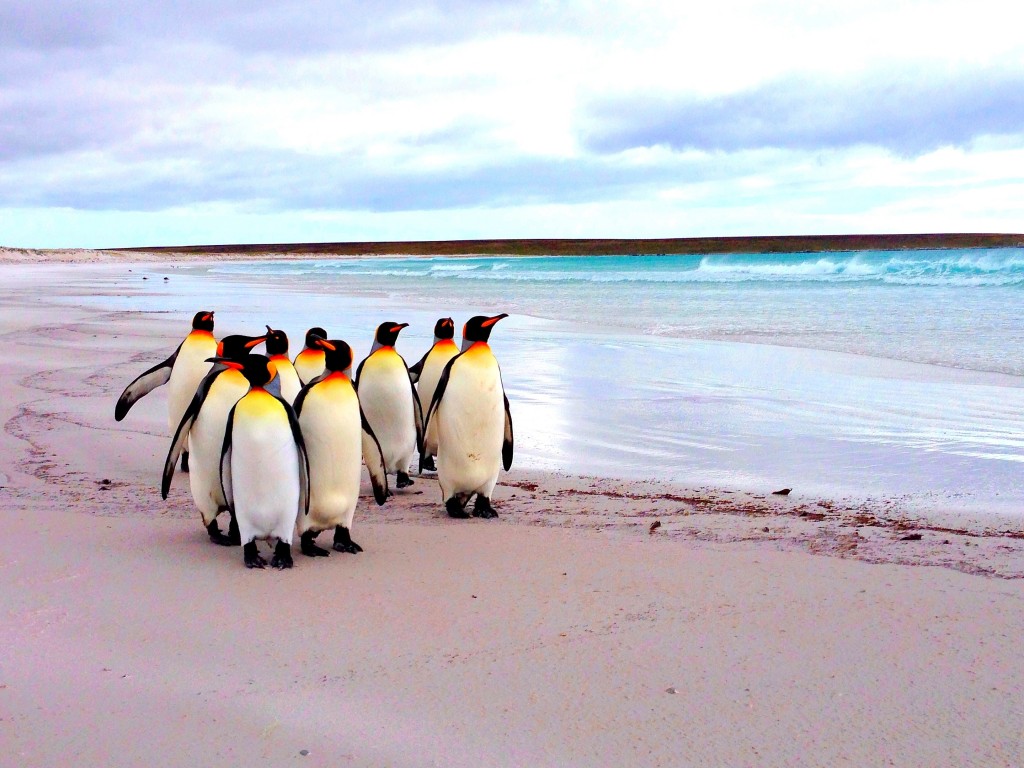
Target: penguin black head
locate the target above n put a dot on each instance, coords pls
(312, 333)
(277, 342)
(387, 333)
(235, 347)
(255, 368)
(479, 328)
(203, 321)
(444, 329)
(337, 354)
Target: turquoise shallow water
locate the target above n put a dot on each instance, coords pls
(958, 308)
(870, 375)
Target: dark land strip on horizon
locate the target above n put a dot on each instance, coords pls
(607, 246)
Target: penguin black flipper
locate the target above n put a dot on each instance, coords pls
(506, 444)
(442, 384)
(417, 414)
(359, 374)
(180, 438)
(300, 444)
(145, 383)
(373, 456)
(417, 369)
(226, 481)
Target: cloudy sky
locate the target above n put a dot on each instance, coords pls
(186, 121)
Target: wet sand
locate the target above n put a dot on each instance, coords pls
(564, 633)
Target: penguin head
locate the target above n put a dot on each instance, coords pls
(479, 329)
(236, 346)
(387, 333)
(255, 368)
(444, 329)
(313, 333)
(337, 355)
(203, 321)
(277, 342)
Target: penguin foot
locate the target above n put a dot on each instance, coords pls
(184, 461)
(343, 541)
(217, 537)
(282, 556)
(427, 464)
(456, 509)
(403, 481)
(308, 546)
(252, 557)
(482, 508)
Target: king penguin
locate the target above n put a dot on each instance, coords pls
(470, 422)
(264, 471)
(427, 372)
(309, 363)
(285, 375)
(338, 440)
(202, 427)
(388, 398)
(183, 371)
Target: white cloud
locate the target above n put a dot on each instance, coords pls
(478, 119)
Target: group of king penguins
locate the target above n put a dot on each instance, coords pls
(279, 444)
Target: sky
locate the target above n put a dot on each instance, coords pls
(172, 122)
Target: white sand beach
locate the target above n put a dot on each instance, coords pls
(747, 629)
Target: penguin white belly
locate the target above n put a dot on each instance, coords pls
(433, 367)
(206, 441)
(309, 364)
(290, 384)
(385, 394)
(332, 430)
(264, 472)
(470, 429)
(190, 367)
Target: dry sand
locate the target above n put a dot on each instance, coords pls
(561, 634)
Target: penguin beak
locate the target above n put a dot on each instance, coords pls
(399, 327)
(255, 342)
(207, 316)
(269, 330)
(324, 344)
(492, 320)
(226, 361)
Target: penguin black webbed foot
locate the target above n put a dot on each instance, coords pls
(282, 556)
(308, 547)
(343, 541)
(482, 508)
(427, 464)
(403, 480)
(252, 557)
(456, 509)
(217, 537)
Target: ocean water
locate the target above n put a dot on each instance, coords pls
(884, 375)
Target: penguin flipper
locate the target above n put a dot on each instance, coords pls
(227, 486)
(300, 445)
(143, 384)
(417, 414)
(506, 444)
(373, 457)
(417, 369)
(180, 439)
(435, 402)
